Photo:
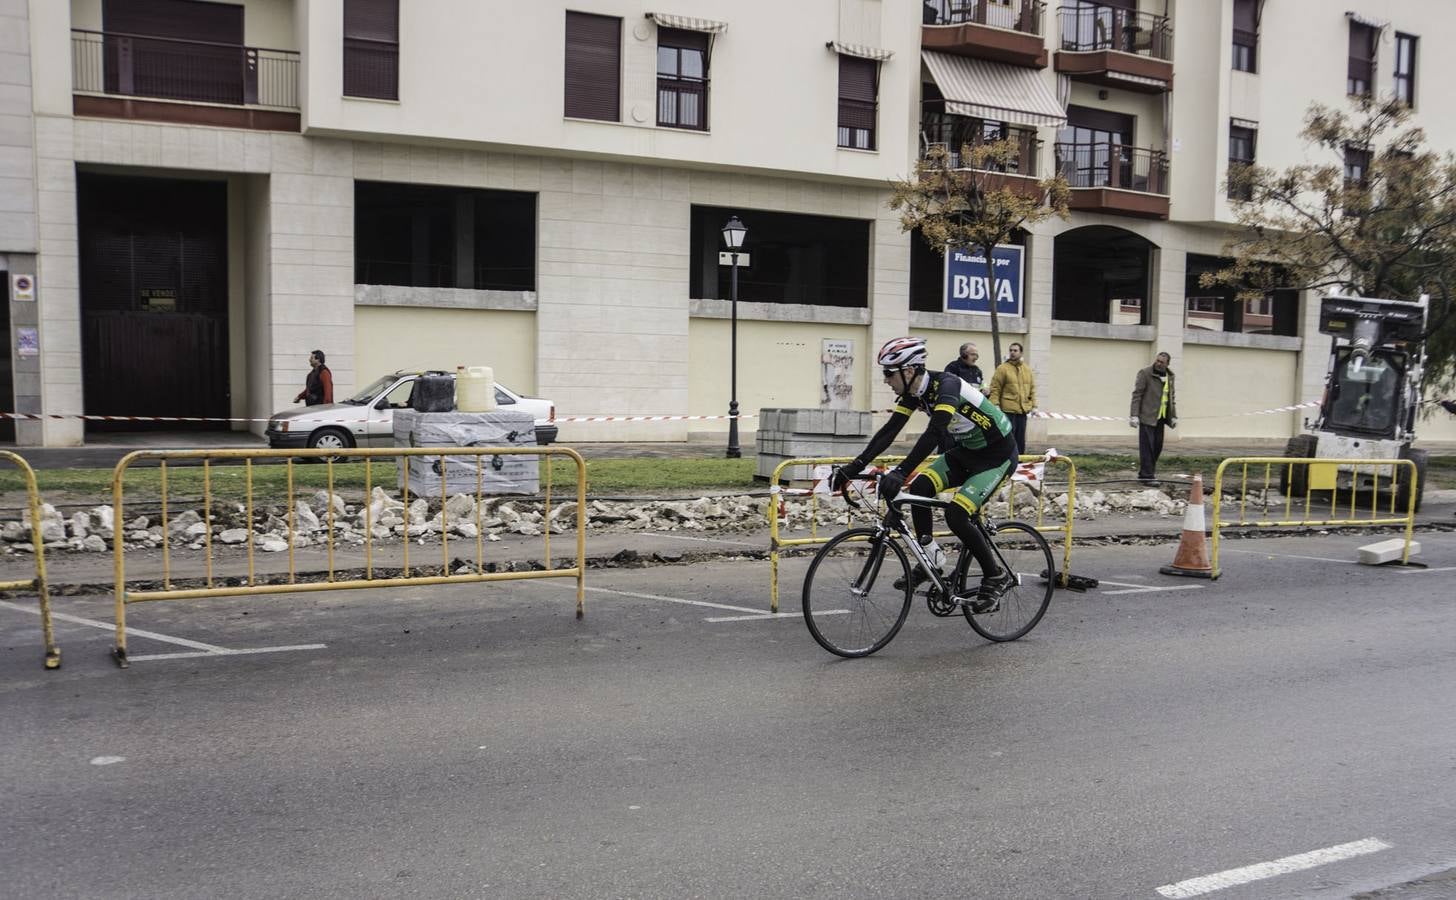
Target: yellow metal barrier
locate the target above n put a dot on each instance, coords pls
(777, 493)
(1318, 475)
(38, 583)
(292, 585)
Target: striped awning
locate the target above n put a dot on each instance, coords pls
(1363, 19)
(688, 23)
(992, 90)
(860, 50)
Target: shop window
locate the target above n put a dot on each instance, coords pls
(793, 258)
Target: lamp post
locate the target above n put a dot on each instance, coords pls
(733, 234)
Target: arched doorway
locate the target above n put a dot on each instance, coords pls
(1102, 274)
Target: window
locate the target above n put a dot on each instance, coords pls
(1217, 308)
(1357, 164)
(1241, 153)
(1101, 274)
(1094, 149)
(1405, 69)
(1361, 72)
(682, 79)
(593, 67)
(794, 258)
(371, 49)
(1246, 35)
(422, 236)
(858, 90)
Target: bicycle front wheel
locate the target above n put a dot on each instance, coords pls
(1028, 557)
(851, 604)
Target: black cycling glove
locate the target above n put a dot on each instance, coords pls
(890, 484)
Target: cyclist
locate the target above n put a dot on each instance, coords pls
(982, 452)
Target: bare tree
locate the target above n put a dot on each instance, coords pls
(1375, 217)
(975, 205)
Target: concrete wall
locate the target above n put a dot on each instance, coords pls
(1225, 381)
(390, 338)
(778, 366)
(504, 85)
(1092, 378)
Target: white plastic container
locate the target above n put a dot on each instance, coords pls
(475, 388)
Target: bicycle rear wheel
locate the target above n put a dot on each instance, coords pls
(1026, 553)
(851, 605)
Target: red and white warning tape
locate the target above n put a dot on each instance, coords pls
(1038, 414)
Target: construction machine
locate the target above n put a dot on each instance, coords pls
(1372, 395)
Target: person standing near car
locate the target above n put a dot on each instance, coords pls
(318, 386)
(1013, 390)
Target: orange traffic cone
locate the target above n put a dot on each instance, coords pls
(1192, 556)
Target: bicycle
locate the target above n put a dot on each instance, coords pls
(853, 606)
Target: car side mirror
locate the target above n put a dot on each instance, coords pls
(382, 403)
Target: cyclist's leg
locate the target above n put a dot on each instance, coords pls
(930, 480)
(984, 473)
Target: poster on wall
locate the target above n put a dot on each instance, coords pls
(968, 287)
(836, 365)
(27, 341)
(22, 288)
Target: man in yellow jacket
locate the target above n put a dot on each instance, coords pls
(1013, 390)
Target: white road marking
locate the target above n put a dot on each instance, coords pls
(639, 596)
(1193, 887)
(226, 652)
(684, 537)
(1147, 588)
(111, 626)
(1289, 556)
(203, 649)
(781, 615)
(107, 760)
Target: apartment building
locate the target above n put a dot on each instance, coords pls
(203, 192)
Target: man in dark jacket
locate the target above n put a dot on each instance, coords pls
(964, 366)
(318, 387)
(1154, 404)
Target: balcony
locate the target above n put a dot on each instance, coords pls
(1116, 47)
(1116, 178)
(133, 76)
(956, 132)
(1008, 31)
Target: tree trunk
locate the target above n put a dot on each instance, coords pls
(991, 304)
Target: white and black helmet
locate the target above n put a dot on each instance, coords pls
(903, 352)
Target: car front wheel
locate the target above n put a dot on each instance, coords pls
(330, 439)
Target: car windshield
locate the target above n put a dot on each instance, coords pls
(372, 390)
(1366, 396)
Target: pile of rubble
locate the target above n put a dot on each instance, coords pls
(388, 519)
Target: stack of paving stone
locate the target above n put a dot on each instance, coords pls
(804, 433)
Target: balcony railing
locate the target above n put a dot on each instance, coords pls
(1106, 165)
(136, 65)
(1014, 15)
(956, 132)
(682, 103)
(1088, 27)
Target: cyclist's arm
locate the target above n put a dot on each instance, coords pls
(884, 437)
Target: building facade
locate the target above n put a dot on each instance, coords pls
(205, 192)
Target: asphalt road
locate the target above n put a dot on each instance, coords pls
(482, 742)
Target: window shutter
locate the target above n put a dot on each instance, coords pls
(372, 20)
(1246, 15)
(593, 66)
(857, 79)
(181, 19)
(371, 49)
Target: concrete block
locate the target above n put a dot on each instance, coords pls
(852, 422)
(1383, 552)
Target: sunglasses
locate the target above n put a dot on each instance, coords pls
(889, 372)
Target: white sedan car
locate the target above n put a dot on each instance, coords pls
(367, 418)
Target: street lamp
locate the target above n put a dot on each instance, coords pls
(733, 234)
